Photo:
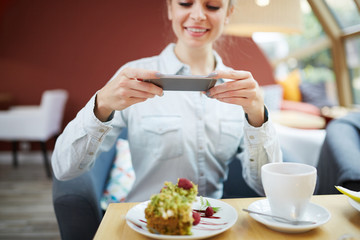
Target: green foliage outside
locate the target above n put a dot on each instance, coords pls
(318, 67)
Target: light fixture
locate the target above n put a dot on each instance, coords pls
(265, 16)
(262, 3)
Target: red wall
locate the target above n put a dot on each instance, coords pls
(79, 44)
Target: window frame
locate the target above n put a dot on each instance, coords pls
(337, 37)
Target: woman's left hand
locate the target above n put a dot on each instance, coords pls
(243, 91)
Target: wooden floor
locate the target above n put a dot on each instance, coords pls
(26, 210)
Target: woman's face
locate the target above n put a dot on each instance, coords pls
(197, 23)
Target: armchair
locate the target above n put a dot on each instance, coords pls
(77, 201)
(34, 123)
(339, 161)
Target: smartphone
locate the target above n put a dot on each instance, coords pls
(171, 82)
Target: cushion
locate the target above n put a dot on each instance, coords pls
(122, 176)
(290, 85)
(296, 119)
(315, 93)
(300, 107)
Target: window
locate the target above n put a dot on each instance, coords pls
(347, 15)
(352, 46)
(309, 52)
(345, 12)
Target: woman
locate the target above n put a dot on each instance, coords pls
(176, 134)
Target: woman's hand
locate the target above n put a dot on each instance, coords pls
(125, 90)
(243, 91)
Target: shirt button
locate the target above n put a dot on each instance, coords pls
(252, 137)
(101, 130)
(201, 174)
(201, 147)
(251, 160)
(91, 153)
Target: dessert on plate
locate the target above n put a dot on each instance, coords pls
(170, 211)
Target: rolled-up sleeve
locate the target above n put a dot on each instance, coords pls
(77, 147)
(261, 146)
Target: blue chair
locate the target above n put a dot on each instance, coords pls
(339, 161)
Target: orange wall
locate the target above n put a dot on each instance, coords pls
(79, 44)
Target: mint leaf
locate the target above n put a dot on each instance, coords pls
(201, 202)
(216, 209)
(204, 205)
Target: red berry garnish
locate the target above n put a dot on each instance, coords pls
(196, 217)
(209, 212)
(184, 183)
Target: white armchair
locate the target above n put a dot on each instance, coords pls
(34, 123)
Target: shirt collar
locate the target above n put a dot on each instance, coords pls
(172, 65)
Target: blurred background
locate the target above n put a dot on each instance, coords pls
(305, 54)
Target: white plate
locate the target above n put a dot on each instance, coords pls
(228, 216)
(313, 212)
(354, 203)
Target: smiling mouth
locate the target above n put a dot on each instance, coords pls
(197, 30)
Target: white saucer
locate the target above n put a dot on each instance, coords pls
(314, 213)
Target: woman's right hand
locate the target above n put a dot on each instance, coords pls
(125, 90)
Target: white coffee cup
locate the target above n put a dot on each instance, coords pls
(288, 187)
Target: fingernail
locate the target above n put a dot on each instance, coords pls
(158, 75)
(213, 74)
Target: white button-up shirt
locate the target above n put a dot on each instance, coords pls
(178, 135)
